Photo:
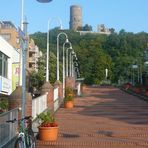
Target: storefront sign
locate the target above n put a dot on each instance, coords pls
(5, 85)
(15, 75)
(0, 83)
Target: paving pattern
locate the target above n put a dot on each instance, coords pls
(105, 117)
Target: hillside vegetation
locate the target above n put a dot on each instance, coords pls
(116, 52)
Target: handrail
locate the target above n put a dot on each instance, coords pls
(8, 131)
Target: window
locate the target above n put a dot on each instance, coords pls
(17, 40)
(0, 63)
(7, 37)
(3, 65)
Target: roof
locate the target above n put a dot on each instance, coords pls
(7, 24)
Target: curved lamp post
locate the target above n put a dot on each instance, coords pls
(64, 65)
(22, 28)
(47, 64)
(23, 58)
(66, 41)
(77, 71)
(67, 66)
(44, 1)
(70, 62)
(22, 10)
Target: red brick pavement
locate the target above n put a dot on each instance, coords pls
(105, 117)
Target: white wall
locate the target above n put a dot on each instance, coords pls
(11, 52)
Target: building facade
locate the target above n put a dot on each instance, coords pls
(101, 29)
(10, 47)
(33, 56)
(75, 17)
(9, 67)
(9, 32)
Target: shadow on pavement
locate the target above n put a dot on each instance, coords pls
(114, 104)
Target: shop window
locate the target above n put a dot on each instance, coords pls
(3, 65)
(7, 37)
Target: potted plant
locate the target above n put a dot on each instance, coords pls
(68, 101)
(48, 129)
(146, 92)
(3, 105)
(69, 91)
(127, 86)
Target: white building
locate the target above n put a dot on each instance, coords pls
(9, 67)
(101, 29)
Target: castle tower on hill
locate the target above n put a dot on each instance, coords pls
(75, 17)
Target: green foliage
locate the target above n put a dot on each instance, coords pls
(46, 117)
(37, 78)
(95, 52)
(68, 90)
(87, 28)
(40, 40)
(69, 94)
(68, 98)
(3, 105)
(52, 67)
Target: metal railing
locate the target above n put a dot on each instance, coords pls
(56, 98)
(8, 130)
(78, 87)
(39, 105)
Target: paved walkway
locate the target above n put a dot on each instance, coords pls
(105, 117)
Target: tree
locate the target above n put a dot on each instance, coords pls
(87, 28)
(112, 30)
(37, 78)
(96, 52)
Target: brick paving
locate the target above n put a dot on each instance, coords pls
(105, 117)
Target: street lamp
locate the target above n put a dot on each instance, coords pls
(77, 71)
(67, 66)
(44, 1)
(64, 66)
(22, 28)
(22, 10)
(76, 68)
(70, 62)
(47, 64)
(23, 58)
(61, 33)
(106, 73)
(134, 67)
(76, 64)
(22, 14)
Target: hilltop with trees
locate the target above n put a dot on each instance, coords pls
(116, 52)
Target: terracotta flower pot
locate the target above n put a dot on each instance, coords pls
(137, 90)
(68, 104)
(127, 86)
(48, 133)
(146, 93)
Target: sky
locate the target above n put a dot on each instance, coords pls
(130, 15)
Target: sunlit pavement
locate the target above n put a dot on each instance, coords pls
(105, 117)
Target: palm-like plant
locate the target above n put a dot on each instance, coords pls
(47, 119)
